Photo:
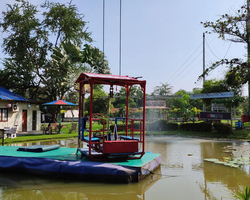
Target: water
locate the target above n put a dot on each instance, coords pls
(183, 175)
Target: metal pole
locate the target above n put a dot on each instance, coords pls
(103, 29)
(80, 115)
(204, 106)
(120, 53)
(248, 52)
(2, 137)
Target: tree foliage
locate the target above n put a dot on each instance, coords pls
(27, 45)
(43, 55)
(100, 102)
(135, 97)
(163, 89)
(65, 23)
(69, 61)
(233, 28)
(213, 86)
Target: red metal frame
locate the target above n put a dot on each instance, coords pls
(113, 146)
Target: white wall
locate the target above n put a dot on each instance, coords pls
(68, 113)
(15, 118)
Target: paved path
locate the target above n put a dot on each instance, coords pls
(29, 133)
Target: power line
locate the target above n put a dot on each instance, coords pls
(207, 53)
(180, 61)
(173, 76)
(211, 50)
(228, 49)
(187, 67)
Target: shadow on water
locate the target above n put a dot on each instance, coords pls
(15, 186)
(183, 175)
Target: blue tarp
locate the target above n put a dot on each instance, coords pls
(85, 171)
(8, 95)
(39, 148)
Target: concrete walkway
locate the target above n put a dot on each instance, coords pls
(29, 133)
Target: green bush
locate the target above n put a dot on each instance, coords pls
(187, 126)
(203, 127)
(120, 127)
(161, 125)
(223, 128)
(199, 127)
(172, 126)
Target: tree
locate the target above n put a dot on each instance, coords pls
(69, 61)
(213, 86)
(163, 89)
(198, 103)
(100, 101)
(182, 103)
(135, 97)
(27, 45)
(185, 107)
(65, 23)
(29, 70)
(236, 29)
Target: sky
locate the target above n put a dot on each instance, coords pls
(161, 40)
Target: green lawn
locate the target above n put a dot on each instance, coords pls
(237, 134)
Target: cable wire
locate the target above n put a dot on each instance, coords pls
(184, 63)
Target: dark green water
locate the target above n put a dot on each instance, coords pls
(183, 175)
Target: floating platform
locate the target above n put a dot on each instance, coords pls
(66, 163)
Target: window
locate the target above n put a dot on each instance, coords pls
(3, 115)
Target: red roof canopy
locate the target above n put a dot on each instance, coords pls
(108, 79)
(60, 103)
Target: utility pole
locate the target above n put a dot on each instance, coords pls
(248, 51)
(204, 107)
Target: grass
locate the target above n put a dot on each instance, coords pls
(236, 135)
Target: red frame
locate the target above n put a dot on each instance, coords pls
(112, 80)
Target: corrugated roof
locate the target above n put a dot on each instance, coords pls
(156, 103)
(157, 107)
(8, 95)
(108, 79)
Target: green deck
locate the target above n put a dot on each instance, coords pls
(69, 154)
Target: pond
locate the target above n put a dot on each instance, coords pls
(183, 175)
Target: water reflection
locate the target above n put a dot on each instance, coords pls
(28, 187)
(183, 175)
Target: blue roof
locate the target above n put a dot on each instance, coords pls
(8, 95)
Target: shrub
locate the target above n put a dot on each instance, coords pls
(161, 125)
(120, 127)
(223, 128)
(172, 126)
(201, 127)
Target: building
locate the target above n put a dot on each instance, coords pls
(18, 111)
(156, 110)
(71, 115)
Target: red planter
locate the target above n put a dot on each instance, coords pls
(245, 118)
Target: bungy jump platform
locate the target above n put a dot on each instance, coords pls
(120, 160)
(54, 161)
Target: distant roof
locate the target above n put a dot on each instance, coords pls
(8, 95)
(156, 105)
